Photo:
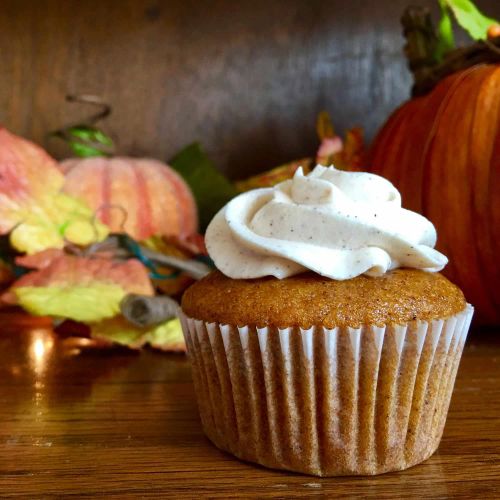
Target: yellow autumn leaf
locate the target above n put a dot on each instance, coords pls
(165, 336)
(79, 288)
(79, 303)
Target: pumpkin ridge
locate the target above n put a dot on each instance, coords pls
(189, 203)
(495, 221)
(175, 192)
(121, 169)
(144, 223)
(448, 162)
(458, 122)
(449, 92)
(395, 135)
(404, 127)
(382, 139)
(181, 191)
(496, 211)
(153, 201)
(171, 221)
(413, 179)
(486, 256)
(105, 193)
(464, 252)
(493, 196)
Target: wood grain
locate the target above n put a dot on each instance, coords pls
(122, 425)
(246, 78)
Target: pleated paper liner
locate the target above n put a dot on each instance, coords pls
(342, 401)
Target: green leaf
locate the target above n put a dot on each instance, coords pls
(90, 134)
(102, 138)
(86, 141)
(470, 18)
(84, 151)
(210, 188)
(446, 39)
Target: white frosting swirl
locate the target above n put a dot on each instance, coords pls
(336, 223)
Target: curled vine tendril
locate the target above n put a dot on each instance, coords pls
(84, 138)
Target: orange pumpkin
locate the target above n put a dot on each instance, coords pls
(442, 151)
(141, 197)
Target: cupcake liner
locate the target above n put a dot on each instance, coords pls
(341, 401)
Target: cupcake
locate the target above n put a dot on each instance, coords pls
(326, 342)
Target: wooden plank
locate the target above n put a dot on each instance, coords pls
(122, 425)
(246, 78)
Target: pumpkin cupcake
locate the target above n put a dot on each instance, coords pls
(326, 342)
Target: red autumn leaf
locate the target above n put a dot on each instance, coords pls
(68, 270)
(42, 259)
(39, 260)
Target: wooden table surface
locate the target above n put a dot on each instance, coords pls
(119, 425)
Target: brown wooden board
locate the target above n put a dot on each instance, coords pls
(245, 77)
(121, 424)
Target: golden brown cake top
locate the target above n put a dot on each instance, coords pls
(309, 299)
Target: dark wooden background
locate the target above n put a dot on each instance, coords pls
(245, 77)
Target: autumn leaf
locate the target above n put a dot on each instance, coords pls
(188, 246)
(32, 208)
(324, 126)
(84, 289)
(353, 153)
(168, 280)
(39, 260)
(165, 336)
(6, 274)
(171, 246)
(347, 154)
(27, 174)
(274, 176)
(328, 149)
(81, 303)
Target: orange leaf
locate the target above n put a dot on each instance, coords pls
(352, 155)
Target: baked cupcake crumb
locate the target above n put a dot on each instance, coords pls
(308, 299)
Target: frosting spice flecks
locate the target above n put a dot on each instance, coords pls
(336, 223)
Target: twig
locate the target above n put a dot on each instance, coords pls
(142, 311)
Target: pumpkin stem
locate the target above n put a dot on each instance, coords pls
(84, 138)
(422, 52)
(421, 42)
